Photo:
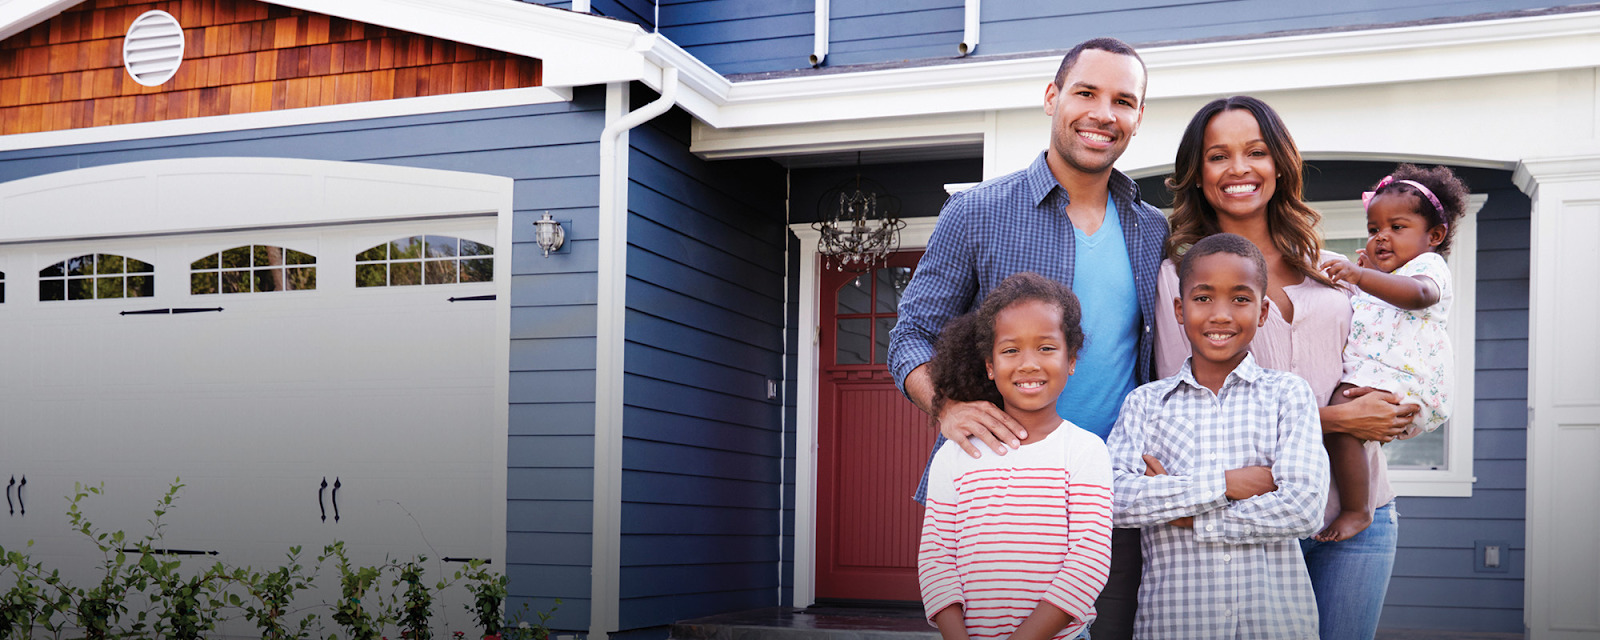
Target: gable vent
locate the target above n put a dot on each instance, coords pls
(153, 48)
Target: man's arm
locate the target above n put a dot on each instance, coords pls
(1300, 469)
(944, 286)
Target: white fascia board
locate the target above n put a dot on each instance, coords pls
(577, 49)
(17, 16)
(1403, 54)
(288, 117)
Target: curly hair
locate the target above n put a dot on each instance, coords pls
(967, 342)
(1290, 221)
(1223, 243)
(1449, 189)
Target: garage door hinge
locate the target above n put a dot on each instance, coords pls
(471, 298)
(147, 312)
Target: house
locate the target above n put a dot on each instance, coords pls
(300, 258)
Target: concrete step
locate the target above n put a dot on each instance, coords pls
(815, 623)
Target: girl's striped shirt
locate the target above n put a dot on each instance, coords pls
(1003, 533)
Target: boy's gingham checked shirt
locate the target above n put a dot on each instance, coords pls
(1239, 572)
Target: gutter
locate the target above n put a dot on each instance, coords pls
(610, 315)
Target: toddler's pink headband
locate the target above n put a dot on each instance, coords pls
(1366, 197)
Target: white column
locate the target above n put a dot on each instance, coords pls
(1562, 582)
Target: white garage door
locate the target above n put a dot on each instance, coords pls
(307, 384)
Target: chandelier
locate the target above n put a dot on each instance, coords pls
(859, 225)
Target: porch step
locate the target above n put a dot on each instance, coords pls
(815, 623)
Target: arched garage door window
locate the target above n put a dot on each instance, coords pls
(97, 276)
(425, 260)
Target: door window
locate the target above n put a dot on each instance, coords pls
(419, 260)
(97, 276)
(253, 268)
(865, 313)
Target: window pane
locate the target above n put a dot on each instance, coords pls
(81, 266)
(236, 282)
(1346, 246)
(855, 345)
(108, 264)
(236, 257)
(405, 273)
(202, 283)
(266, 256)
(441, 247)
(477, 270)
(372, 275)
(380, 252)
(269, 280)
(891, 283)
(302, 278)
(297, 257)
(880, 339)
(406, 248)
(52, 290)
(81, 289)
(441, 272)
(856, 296)
(141, 286)
(53, 271)
(208, 262)
(1426, 451)
(139, 266)
(470, 248)
(109, 287)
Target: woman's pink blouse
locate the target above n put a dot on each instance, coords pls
(1311, 347)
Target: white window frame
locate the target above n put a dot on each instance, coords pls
(1347, 219)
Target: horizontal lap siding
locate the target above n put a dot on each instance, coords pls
(639, 12)
(1434, 584)
(734, 36)
(551, 153)
(703, 446)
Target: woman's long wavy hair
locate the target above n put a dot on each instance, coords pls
(967, 341)
(1291, 222)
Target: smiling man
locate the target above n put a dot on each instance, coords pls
(1074, 218)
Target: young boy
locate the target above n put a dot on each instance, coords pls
(1223, 468)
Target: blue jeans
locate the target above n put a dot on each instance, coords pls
(1351, 577)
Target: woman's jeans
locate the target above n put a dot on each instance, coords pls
(1351, 577)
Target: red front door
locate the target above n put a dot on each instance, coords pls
(872, 442)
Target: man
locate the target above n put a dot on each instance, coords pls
(1072, 217)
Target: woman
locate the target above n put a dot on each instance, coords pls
(1238, 171)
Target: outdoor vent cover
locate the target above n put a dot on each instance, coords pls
(154, 48)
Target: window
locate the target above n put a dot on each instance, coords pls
(253, 268)
(97, 276)
(1437, 463)
(421, 260)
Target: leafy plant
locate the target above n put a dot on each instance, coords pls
(519, 628)
(20, 605)
(361, 621)
(416, 607)
(488, 591)
(189, 605)
(270, 596)
(96, 608)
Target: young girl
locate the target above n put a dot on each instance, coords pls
(1017, 545)
(1397, 333)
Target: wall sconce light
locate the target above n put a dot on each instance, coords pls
(550, 236)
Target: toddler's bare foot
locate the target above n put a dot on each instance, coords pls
(1346, 526)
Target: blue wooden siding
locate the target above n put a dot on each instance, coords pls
(639, 12)
(736, 36)
(703, 446)
(1434, 584)
(551, 152)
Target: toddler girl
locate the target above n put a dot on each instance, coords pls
(1397, 338)
(1016, 545)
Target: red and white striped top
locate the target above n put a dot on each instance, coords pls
(1004, 533)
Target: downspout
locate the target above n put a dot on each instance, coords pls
(969, 34)
(610, 314)
(819, 41)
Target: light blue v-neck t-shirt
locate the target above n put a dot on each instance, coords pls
(1103, 281)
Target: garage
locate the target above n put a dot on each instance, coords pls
(316, 349)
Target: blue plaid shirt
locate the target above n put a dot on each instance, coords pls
(1011, 224)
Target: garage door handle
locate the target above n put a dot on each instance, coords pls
(22, 507)
(472, 298)
(11, 509)
(322, 503)
(336, 485)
